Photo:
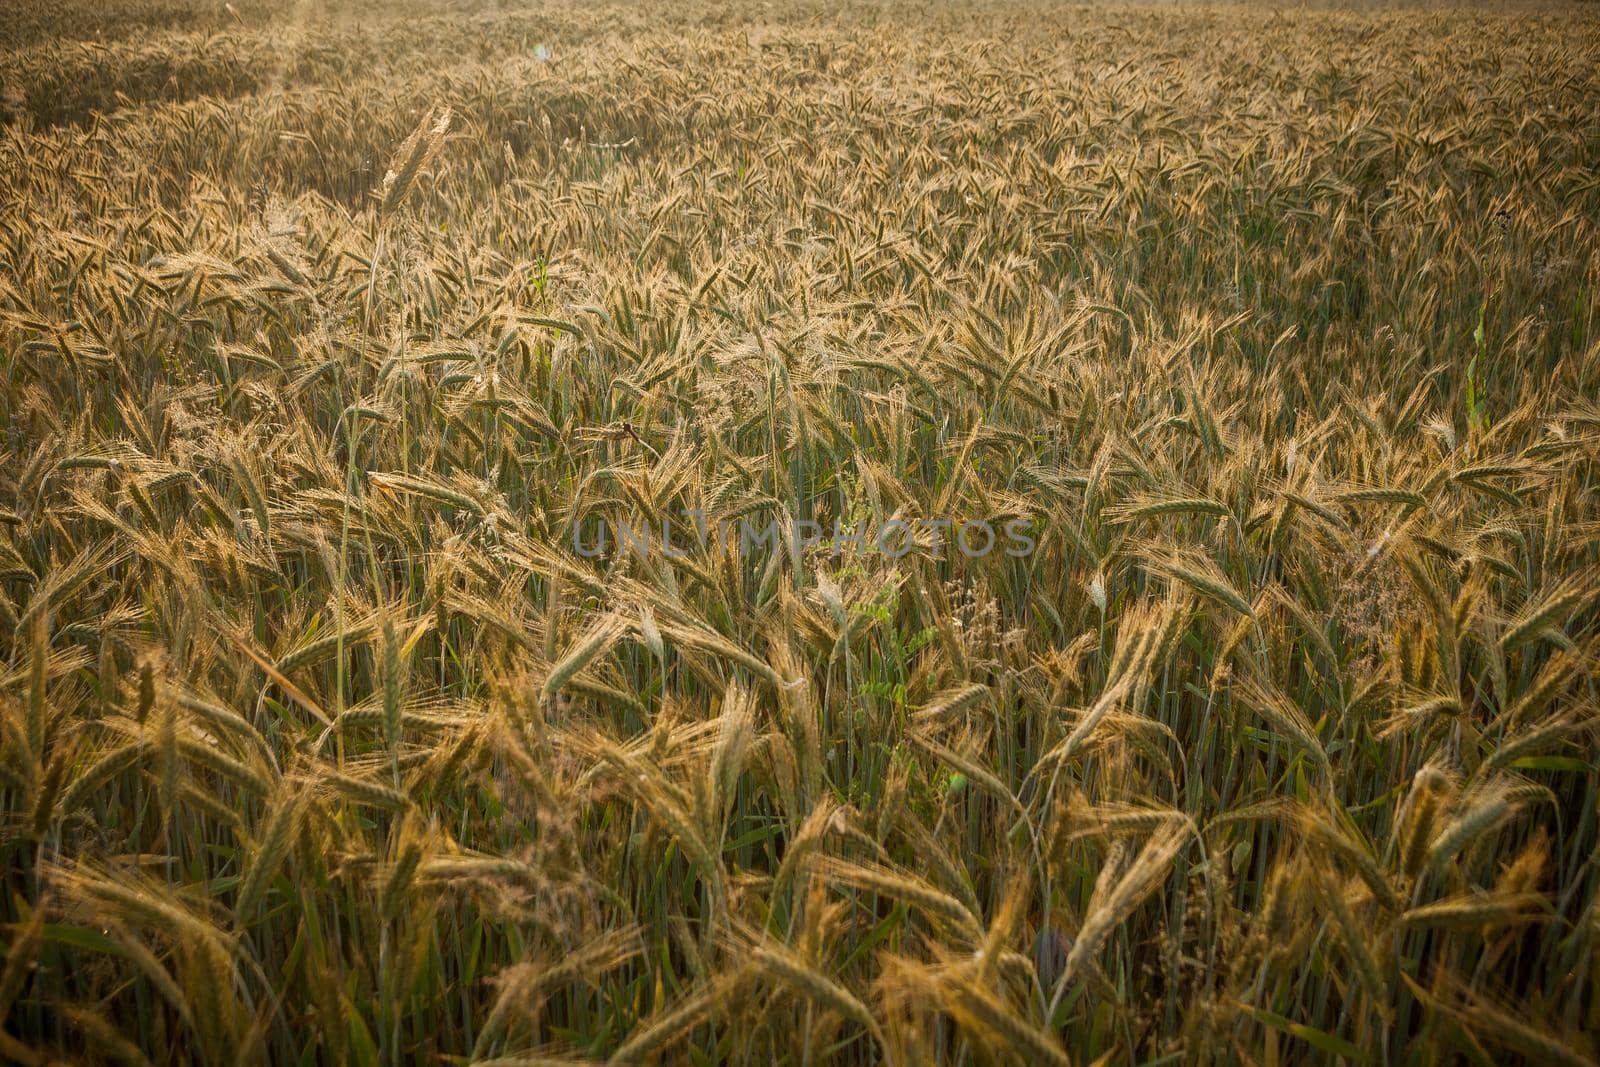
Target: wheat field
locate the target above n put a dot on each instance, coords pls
(337, 337)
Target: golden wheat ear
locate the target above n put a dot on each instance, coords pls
(413, 156)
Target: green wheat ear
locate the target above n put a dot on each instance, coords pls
(1476, 416)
